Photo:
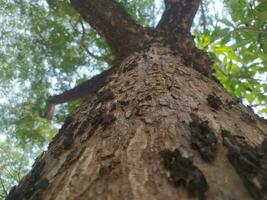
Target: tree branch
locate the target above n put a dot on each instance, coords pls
(175, 23)
(178, 15)
(89, 87)
(84, 45)
(110, 20)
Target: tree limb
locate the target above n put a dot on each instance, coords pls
(178, 15)
(110, 20)
(175, 23)
(86, 88)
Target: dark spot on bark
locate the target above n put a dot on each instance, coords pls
(127, 83)
(203, 139)
(123, 102)
(175, 53)
(130, 66)
(148, 98)
(214, 101)
(66, 133)
(104, 170)
(61, 131)
(68, 141)
(183, 172)
(249, 162)
(145, 99)
(105, 95)
(73, 155)
(230, 104)
(233, 102)
(141, 110)
(200, 69)
(68, 121)
(112, 107)
(37, 169)
(95, 114)
(108, 119)
(95, 118)
(57, 151)
(35, 192)
(108, 169)
(83, 126)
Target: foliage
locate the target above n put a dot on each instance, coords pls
(238, 46)
(46, 48)
(13, 165)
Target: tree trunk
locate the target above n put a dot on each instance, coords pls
(157, 129)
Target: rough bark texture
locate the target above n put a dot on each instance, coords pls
(178, 15)
(112, 22)
(157, 129)
(123, 143)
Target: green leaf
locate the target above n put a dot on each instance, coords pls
(227, 22)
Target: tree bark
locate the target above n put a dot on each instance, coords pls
(110, 20)
(157, 129)
(178, 15)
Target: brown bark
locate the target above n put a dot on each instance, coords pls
(87, 88)
(178, 15)
(112, 148)
(113, 23)
(157, 129)
(176, 22)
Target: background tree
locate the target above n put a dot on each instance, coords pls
(44, 31)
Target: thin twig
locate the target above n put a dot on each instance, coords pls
(252, 12)
(83, 44)
(83, 39)
(257, 105)
(3, 186)
(251, 29)
(203, 16)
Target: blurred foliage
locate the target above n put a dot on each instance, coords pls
(46, 48)
(13, 165)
